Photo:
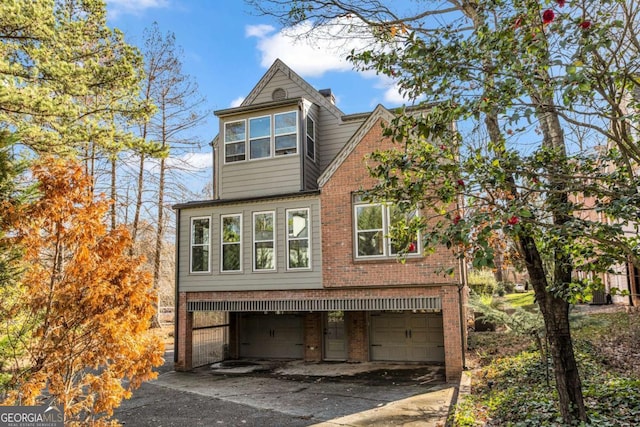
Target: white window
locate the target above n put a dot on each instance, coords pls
(266, 136)
(298, 239)
(373, 224)
(234, 141)
(231, 251)
(264, 256)
(260, 137)
(200, 246)
(311, 139)
(285, 132)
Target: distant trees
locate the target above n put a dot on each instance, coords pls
(166, 134)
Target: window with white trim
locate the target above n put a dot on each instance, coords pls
(200, 244)
(234, 141)
(311, 139)
(298, 239)
(374, 222)
(263, 137)
(231, 242)
(264, 255)
(286, 133)
(260, 137)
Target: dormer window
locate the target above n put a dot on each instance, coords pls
(268, 136)
(260, 137)
(234, 141)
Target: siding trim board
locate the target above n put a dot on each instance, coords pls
(430, 304)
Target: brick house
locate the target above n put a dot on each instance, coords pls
(297, 263)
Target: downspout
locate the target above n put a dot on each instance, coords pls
(176, 317)
(302, 142)
(463, 320)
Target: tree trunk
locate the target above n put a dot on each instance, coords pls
(114, 193)
(155, 321)
(555, 312)
(136, 213)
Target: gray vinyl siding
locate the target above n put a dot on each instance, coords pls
(334, 136)
(278, 175)
(247, 279)
(253, 178)
(282, 81)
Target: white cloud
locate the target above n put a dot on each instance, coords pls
(310, 56)
(312, 52)
(133, 7)
(258, 31)
(236, 102)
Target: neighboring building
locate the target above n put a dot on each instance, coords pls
(300, 265)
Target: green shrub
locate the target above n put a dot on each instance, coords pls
(482, 282)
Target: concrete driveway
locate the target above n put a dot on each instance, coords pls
(260, 393)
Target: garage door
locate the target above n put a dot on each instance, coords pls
(407, 337)
(271, 336)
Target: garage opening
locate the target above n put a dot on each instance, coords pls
(210, 337)
(271, 336)
(407, 336)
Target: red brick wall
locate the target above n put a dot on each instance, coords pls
(313, 334)
(453, 334)
(357, 336)
(339, 267)
(389, 292)
(184, 345)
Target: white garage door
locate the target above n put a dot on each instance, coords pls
(407, 337)
(271, 336)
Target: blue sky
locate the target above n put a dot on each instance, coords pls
(228, 47)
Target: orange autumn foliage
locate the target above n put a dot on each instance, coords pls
(84, 301)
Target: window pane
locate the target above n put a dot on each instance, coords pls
(264, 256)
(370, 243)
(200, 232)
(200, 258)
(311, 149)
(299, 253)
(234, 152)
(285, 123)
(231, 229)
(285, 144)
(263, 227)
(231, 257)
(234, 131)
(369, 217)
(260, 148)
(260, 127)
(398, 227)
(311, 129)
(297, 223)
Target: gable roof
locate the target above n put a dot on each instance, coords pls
(378, 113)
(314, 95)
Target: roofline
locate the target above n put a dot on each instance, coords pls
(223, 202)
(380, 112)
(256, 107)
(278, 65)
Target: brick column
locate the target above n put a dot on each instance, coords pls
(313, 334)
(358, 342)
(233, 352)
(452, 332)
(185, 335)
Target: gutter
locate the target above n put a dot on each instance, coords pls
(176, 317)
